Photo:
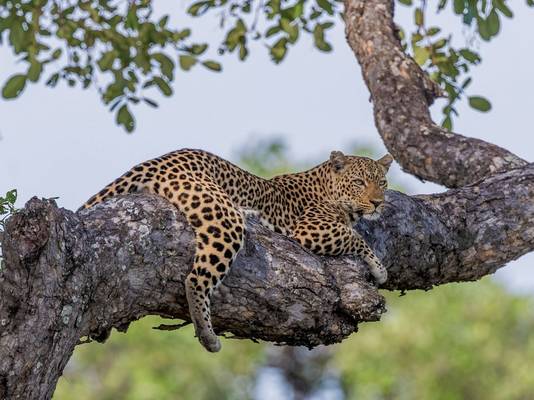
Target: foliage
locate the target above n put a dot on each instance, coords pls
(7, 208)
(147, 364)
(118, 47)
(123, 49)
(266, 158)
(459, 341)
(446, 64)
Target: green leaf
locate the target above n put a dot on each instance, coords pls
(439, 44)
(326, 5)
(406, 2)
(479, 103)
(106, 61)
(125, 118)
(433, 31)
(416, 37)
(483, 29)
(19, 37)
(11, 196)
(470, 56)
(243, 52)
(493, 23)
(181, 35)
(34, 72)
(166, 65)
(447, 123)
(198, 49)
(163, 86)
(14, 86)
(56, 54)
(419, 17)
(503, 8)
(291, 30)
(421, 54)
(186, 62)
(293, 12)
(213, 65)
(163, 21)
(198, 8)
(318, 36)
(273, 30)
(52, 81)
(459, 6)
(142, 60)
(132, 20)
(278, 50)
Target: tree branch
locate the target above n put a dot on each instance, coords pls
(71, 275)
(401, 93)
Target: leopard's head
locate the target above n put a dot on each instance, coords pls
(359, 183)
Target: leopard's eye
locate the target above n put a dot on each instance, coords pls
(383, 182)
(359, 182)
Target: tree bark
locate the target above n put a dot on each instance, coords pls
(401, 93)
(69, 275)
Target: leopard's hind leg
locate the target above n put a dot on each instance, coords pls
(219, 232)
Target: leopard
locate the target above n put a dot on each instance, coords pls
(317, 208)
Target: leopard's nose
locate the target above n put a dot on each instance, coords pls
(376, 203)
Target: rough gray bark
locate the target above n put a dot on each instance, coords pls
(70, 275)
(401, 94)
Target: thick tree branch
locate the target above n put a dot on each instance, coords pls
(71, 275)
(401, 93)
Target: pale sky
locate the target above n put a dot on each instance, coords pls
(64, 143)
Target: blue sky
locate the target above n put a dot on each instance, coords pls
(64, 143)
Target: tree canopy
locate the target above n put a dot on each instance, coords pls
(125, 49)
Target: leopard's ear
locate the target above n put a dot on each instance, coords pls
(385, 161)
(338, 160)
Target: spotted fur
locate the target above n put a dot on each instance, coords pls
(316, 207)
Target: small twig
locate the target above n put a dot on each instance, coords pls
(164, 327)
(238, 337)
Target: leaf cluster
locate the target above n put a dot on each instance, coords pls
(117, 47)
(123, 50)
(7, 206)
(277, 24)
(449, 65)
